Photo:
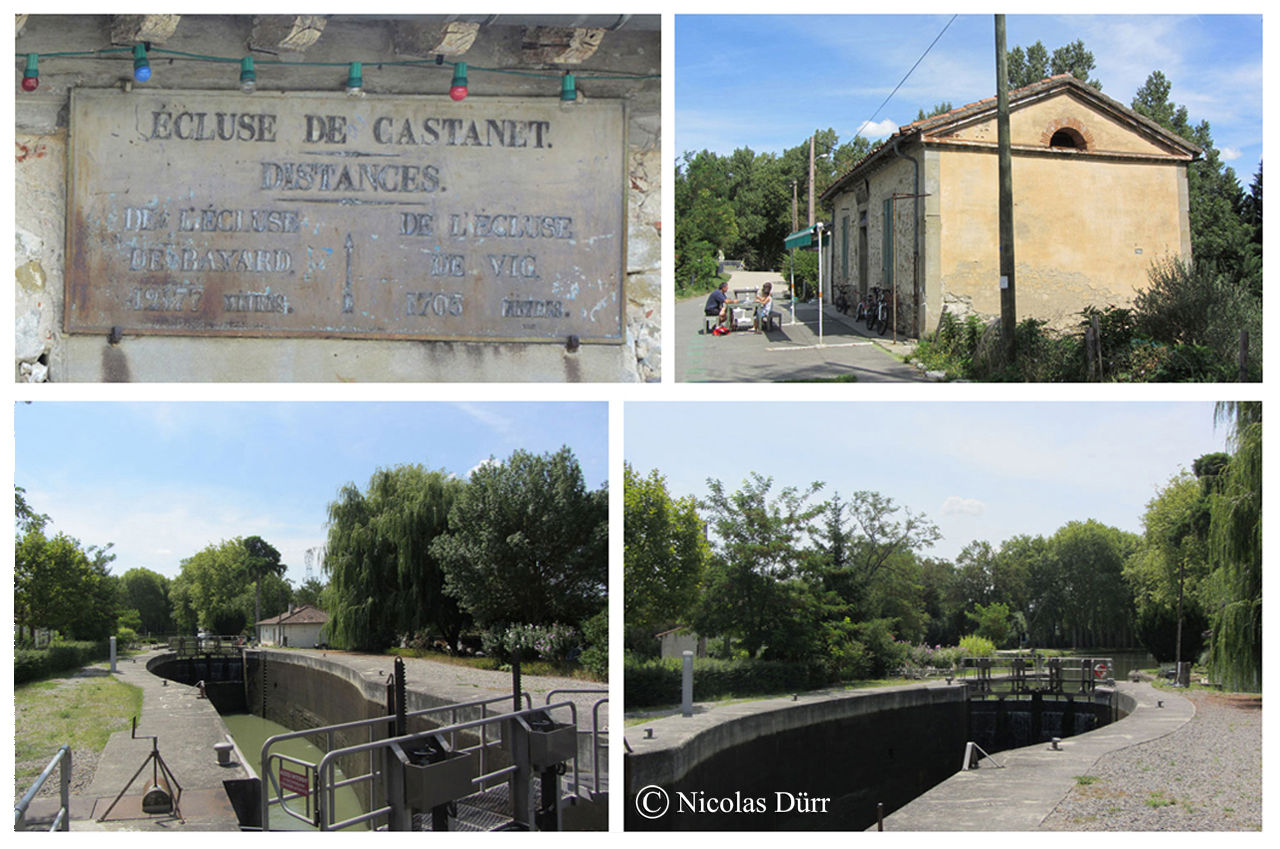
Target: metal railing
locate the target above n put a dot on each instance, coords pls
(326, 781)
(599, 737)
(1025, 674)
(61, 820)
(187, 646)
(281, 796)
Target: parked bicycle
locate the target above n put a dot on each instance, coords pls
(877, 316)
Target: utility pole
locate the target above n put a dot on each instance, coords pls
(795, 206)
(1008, 303)
(811, 138)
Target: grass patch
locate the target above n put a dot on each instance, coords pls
(840, 378)
(1086, 780)
(80, 711)
(1159, 800)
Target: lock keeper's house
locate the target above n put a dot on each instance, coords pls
(1100, 192)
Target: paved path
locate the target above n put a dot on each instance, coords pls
(793, 352)
(1035, 778)
(463, 683)
(186, 726)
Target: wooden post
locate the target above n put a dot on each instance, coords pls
(1088, 353)
(1097, 344)
(1008, 303)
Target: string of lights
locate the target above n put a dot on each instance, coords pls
(459, 88)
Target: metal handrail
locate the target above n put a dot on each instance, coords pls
(328, 730)
(62, 820)
(327, 765)
(596, 745)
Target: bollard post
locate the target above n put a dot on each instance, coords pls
(113, 655)
(686, 686)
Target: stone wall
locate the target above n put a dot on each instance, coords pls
(624, 52)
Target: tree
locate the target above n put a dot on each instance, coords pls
(664, 554)
(1166, 572)
(752, 589)
(1235, 534)
(1035, 63)
(1221, 232)
(861, 536)
(938, 109)
(992, 622)
(527, 542)
(148, 593)
(1089, 558)
(58, 584)
(310, 592)
(385, 579)
(213, 589)
(262, 560)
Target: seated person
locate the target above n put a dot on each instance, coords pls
(716, 302)
(765, 300)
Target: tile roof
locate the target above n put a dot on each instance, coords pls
(1027, 92)
(304, 615)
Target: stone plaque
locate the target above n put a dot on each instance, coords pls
(306, 214)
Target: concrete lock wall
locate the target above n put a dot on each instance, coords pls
(625, 49)
(304, 691)
(855, 750)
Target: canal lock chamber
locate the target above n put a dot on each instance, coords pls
(338, 708)
(866, 754)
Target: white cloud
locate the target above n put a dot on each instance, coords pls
(877, 130)
(1230, 154)
(957, 506)
(490, 461)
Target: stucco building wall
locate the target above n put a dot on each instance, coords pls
(630, 52)
(1086, 231)
(1089, 220)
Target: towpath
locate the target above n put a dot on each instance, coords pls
(795, 351)
(187, 726)
(463, 683)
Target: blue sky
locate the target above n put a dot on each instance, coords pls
(767, 82)
(162, 481)
(978, 470)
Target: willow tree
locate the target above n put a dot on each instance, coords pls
(1235, 535)
(384, 580)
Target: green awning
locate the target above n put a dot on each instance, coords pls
(800, 238)
(806, 238)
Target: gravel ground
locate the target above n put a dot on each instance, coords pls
(1206, 776)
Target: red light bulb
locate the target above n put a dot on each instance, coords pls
(30, 83)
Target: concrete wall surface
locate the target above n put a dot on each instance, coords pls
(615, 59)
(769, 764)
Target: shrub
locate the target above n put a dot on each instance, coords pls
(595, 657)
(658, 682)
(696, 268)
(57, 657)
(29, 665)
(974, 646)
(1193, 304)
(553, 643)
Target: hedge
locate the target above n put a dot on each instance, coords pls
(658, 682)
(34, 664)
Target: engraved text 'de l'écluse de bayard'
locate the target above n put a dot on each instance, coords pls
(324, 215)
